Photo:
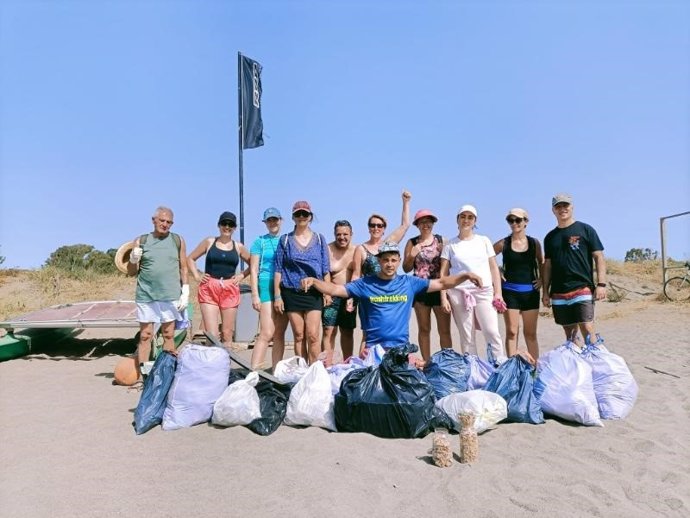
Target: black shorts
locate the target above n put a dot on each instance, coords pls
(573, 314)
(298, 300)
(521, 300)
(337, 314)
(430, 299)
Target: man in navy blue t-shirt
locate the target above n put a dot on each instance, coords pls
(386, 299)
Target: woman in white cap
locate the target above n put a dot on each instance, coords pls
(523, 261)
(470, 252)
(219, 290)
(423, 258)
(302, 253)
(272, 324)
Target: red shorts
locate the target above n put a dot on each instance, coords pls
(221, 293)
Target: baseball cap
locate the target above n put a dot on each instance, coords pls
(424, 213)
(271, 212)
(520, 213)
(388, 247)
(467, 208)
(301, 205)
(562, 198)
(227, 216)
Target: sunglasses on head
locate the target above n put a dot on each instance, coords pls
(377, 225)
(301, 214)
(227, 223)
(511, 221)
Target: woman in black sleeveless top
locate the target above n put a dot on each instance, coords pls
(522, 268)
(219, 290)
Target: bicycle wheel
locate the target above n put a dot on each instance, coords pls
(677, 289)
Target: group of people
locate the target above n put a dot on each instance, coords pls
(320, 287)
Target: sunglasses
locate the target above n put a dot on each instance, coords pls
(377, 225)
(227, 223)
(301, 214)
(512, 221)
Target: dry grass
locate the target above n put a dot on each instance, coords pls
(22, 291)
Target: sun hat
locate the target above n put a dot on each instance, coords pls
(520, 213)
(467, 208)
(561, 197)
(122, 256)
(424, 213)
(271, 212)
(301, 205)
(227, 216)
(387, 248)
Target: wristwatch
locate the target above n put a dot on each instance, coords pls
(601, 285)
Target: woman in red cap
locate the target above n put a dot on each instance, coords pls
(302, 253)
(219, 290)
(423, 257)
(522, 271)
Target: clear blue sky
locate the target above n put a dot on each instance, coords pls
(111, 108)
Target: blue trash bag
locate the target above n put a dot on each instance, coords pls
(513, 381)
(480, 372)
(392, 400)
(447, 371)
(149, 411)
(614, 386)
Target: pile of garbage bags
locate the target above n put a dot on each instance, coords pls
(384, 394)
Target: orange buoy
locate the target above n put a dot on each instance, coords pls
(126, 372)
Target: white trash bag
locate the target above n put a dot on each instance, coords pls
(614, 386)
(487, 408)
(239, 404)
(201, 376)
(290, 370)
(568, 390)
(311, 401)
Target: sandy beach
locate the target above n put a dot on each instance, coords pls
(69, 448)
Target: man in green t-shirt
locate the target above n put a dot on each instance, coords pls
(162, 293)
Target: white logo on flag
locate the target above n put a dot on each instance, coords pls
(255, 85)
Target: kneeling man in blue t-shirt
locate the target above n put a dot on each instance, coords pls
(386, 299)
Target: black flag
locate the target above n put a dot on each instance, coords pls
(252, 126)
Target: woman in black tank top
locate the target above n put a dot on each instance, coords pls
(219, 291)
(522, 268)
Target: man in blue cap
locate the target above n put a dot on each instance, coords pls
(387, 298)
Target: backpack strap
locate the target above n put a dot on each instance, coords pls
(176, 238)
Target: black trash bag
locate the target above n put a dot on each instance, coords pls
(273, 399)
(514, 382)
(392, 400)
(447, 372)
(149, 411)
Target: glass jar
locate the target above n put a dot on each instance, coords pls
(441, 452)
(469, 442)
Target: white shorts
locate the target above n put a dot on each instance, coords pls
(158, 312)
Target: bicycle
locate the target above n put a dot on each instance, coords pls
(677, 289)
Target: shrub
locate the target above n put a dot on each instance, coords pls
(636, 255)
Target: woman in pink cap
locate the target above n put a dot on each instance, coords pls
(423, 257)
(522, 270)
(302, 253)
(470, 252)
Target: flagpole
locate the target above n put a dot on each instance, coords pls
(240, 141)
